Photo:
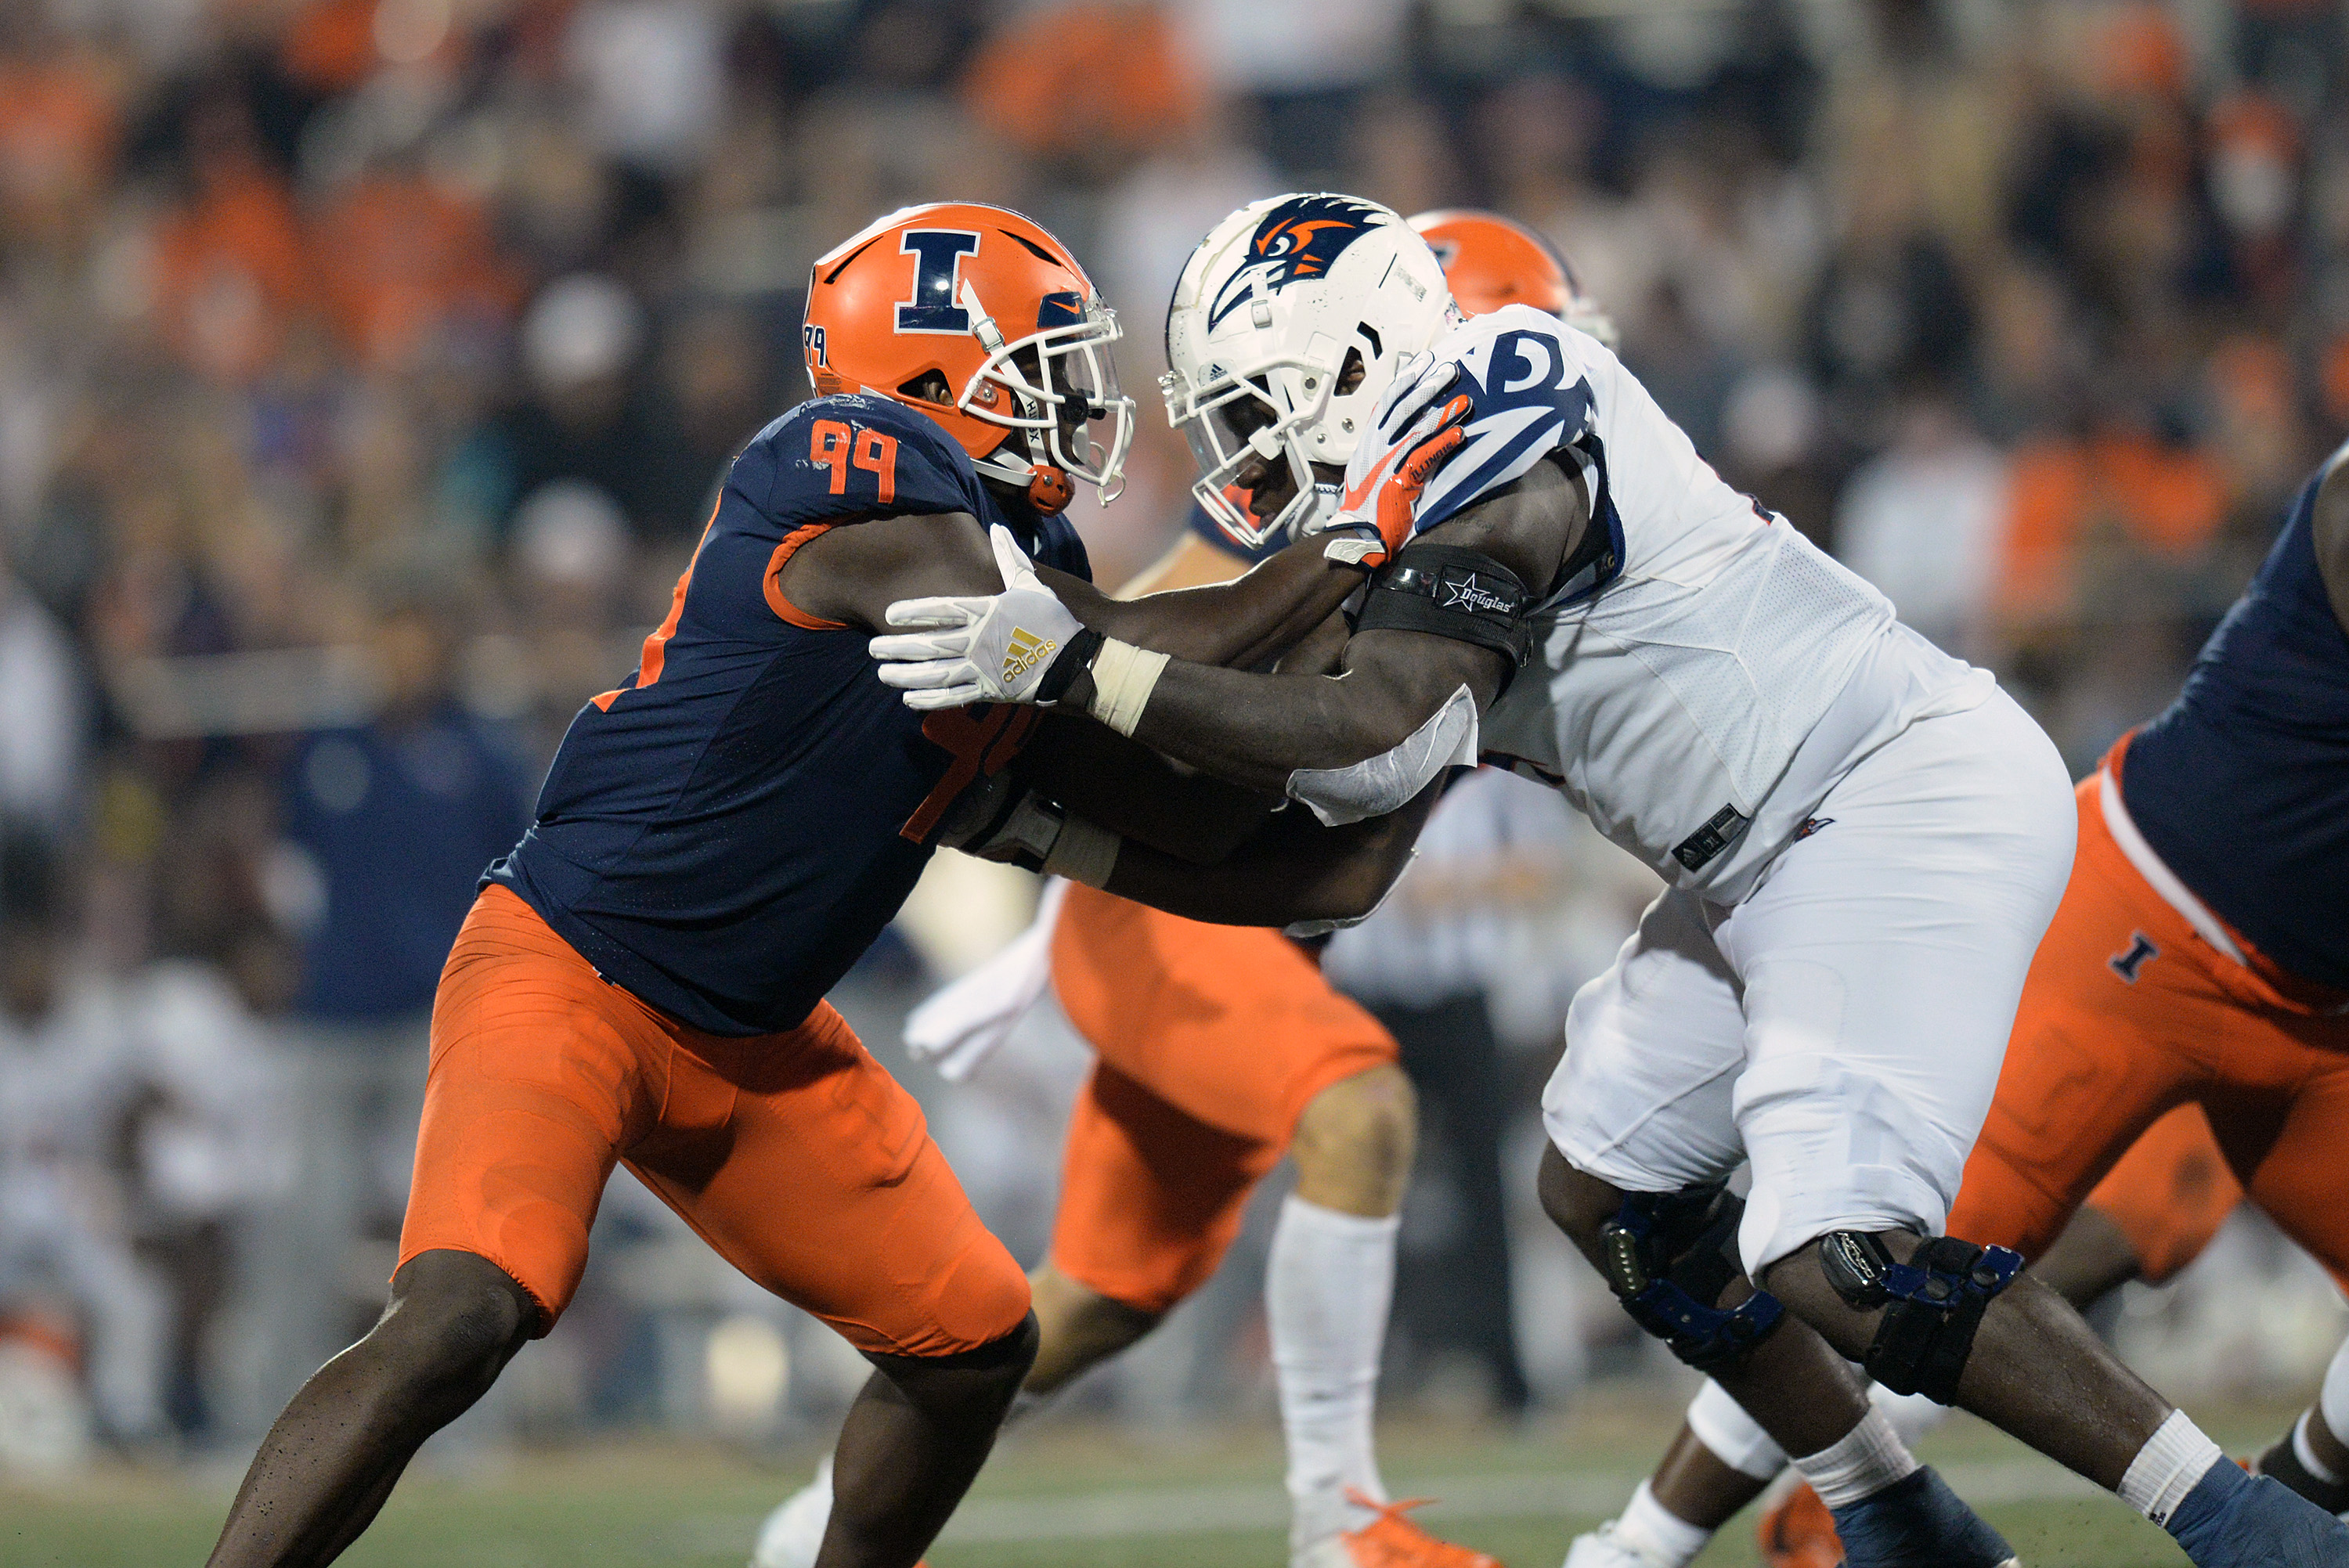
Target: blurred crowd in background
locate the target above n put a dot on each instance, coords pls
(365, 367)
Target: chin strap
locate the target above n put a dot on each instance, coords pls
(1050, 490)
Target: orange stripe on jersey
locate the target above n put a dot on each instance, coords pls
(981, 741)
(774, 579)
(648, 664)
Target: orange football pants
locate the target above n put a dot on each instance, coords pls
(2127, 1015)
(795, 1155)
(1211, 1040)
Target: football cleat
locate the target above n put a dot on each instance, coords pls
(1918, 1522)
(1797, 1532)
(1602, 1548)
(793, 1532)
(1388, 1541)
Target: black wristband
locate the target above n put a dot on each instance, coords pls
(1077, 655)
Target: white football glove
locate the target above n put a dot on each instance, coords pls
(1419, 385)
(995, 647)
(1416, 427)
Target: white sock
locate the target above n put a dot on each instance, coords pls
(1869, 1458)
(1736, 1438)
(1326, 1291)
(2307, 1453)
(1650, 1529)
(2173, 1461)
(1911, 1415)
(2334, 1403)
(791, 1535)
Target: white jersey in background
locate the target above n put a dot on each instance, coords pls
(1705, 683)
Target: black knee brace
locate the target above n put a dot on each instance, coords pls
(1669, 1258)
(1932, 1305)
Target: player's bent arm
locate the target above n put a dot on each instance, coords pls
(1292, 869)
(853, 574)
(2331, 526)
(1257, 730)
(1248, 619)
(1189, 563)
(1129, 790)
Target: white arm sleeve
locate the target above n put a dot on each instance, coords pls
(1387, 782)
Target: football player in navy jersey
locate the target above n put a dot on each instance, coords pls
(643, 978)
(1219, 1052)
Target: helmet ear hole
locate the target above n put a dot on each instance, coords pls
(930, 386)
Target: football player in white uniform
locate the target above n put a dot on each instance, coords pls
(1863, 841)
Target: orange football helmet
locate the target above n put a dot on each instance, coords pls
(1491, 260)
(979, 318)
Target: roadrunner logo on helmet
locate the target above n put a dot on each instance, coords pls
(983, 320)
(1288, 323)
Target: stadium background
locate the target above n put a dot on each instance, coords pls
(363, 369)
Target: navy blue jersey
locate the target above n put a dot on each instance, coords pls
(729, 830)
(2242, 786)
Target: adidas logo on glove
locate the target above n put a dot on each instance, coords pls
(1025, 650)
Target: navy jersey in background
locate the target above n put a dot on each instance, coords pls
(726, 833)
(2242, 786)
(398, 820)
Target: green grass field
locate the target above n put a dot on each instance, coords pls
(1065, 1495)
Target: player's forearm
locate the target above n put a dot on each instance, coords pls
(1244, 621)
(1292, 870)
(1255, 730)
(1136, 793)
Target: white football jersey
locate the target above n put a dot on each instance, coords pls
(1705, 680)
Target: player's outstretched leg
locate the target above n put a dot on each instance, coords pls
(453, 1322)
(1077, 1328)
(1328, 1288)
(1722, 1458)
(2036, 1371)
(1699, 1486)
(912, 1443)
(1799, 1388)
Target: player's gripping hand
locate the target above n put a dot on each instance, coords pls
(1414, 429)
(992, 647)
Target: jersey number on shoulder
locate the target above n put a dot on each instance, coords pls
(841, 446)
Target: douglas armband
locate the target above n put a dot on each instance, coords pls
(1448, 592)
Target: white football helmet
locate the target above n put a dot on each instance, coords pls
(1270, 308)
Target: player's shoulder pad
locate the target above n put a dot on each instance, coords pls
(1527, 376)
(853, 455)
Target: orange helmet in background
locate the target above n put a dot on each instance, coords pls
(1491, 260)
(979, 318)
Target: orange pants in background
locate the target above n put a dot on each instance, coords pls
(2128, 1015)
(1212, 1040)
